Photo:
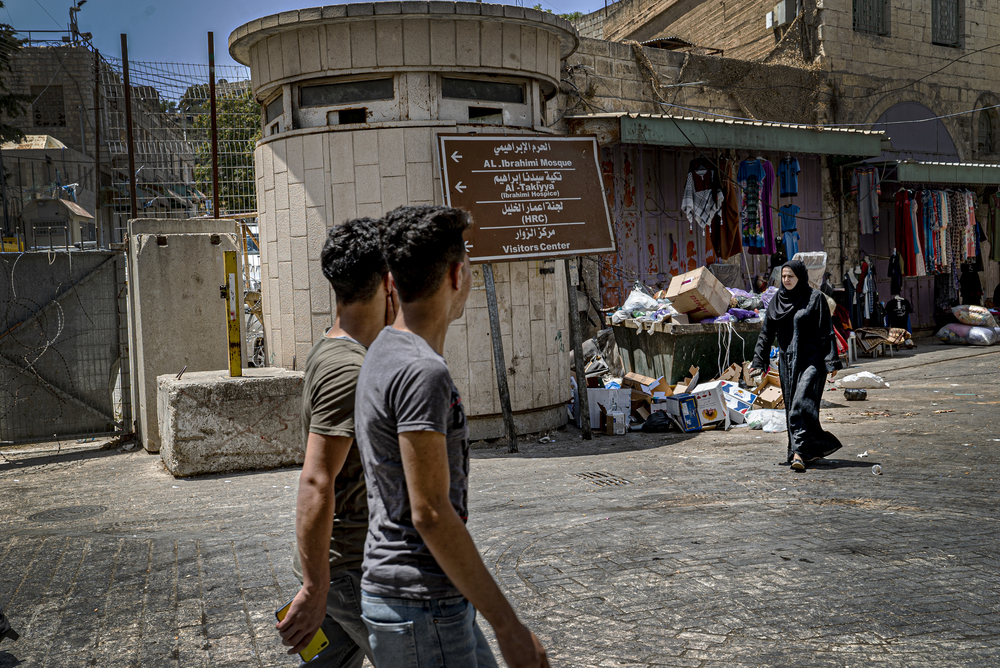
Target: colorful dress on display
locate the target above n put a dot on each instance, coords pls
(756, 181)
(917, 230)
(865, 183)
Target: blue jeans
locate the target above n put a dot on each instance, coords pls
(343, 625)
(435, 633)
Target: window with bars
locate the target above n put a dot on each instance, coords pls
(871, 16)
(946, 21)
(49, 109)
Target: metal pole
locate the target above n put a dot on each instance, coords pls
(128, 130)
(97, 148)
(498, 360)
(3, 196)
(576, 338)
(215, 132)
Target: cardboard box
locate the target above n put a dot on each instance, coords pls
(699, 294)
(711, 404)
(737, 409)
(614, 423)
(680, 319)
(691, 381)
(683, 408)
(642, 384)
(608, 400)
(770, 397)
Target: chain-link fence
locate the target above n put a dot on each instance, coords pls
(172, 135)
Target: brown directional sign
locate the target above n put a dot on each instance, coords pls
(530, 196)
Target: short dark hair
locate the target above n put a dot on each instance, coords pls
(420, 243)
(352, 260)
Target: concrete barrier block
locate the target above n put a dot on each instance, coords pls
(211, 423)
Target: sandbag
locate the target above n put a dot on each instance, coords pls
(977, 316)
(957, 334)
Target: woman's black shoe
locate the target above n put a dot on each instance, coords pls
(6, 631)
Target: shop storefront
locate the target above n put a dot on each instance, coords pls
(768, 190)
(935, 222)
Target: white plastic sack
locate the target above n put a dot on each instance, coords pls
(771, 420)
(981, 336)
(640, 301)
(864, 380)
(620, 315)
(815, 263)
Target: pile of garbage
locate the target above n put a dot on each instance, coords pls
(635, 402)
(976, 326)
(694, 297)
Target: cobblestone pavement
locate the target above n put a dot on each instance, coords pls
(712, 554)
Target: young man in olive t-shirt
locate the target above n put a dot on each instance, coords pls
(332, 511)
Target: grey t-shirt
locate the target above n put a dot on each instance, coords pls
(405, 386)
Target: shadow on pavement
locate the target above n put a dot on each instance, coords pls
(13, 461)
(8, 660)
(845, 464)
(569, 443)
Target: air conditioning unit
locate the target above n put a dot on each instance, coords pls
(784, 13)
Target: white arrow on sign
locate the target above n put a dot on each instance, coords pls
(455, 156)
(459, 187)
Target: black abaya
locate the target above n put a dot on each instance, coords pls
(807, 352)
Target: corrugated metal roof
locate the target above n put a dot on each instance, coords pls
(725, 121)
(954, 173)
(75, 208)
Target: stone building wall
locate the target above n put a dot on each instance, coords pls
(66, 68)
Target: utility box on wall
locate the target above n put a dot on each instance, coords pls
(177, 318)
(783, 14)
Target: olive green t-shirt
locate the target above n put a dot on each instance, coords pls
(331, 376)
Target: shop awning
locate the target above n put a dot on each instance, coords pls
(702, 133)
(957, 173)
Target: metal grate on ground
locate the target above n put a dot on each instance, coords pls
(602, 478)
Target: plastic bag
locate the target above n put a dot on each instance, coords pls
(771, 420)
(658, 422)
(967, 334)
(620, 316)
(640, 301)
(977, 316)
(864, 380)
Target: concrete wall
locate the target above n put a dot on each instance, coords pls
(176, 314)
(312, 175)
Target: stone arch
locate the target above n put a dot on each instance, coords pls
(986, 126)
(928, 97)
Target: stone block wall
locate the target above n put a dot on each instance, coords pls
(315, 179)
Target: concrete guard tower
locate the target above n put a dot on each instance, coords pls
(352, 100)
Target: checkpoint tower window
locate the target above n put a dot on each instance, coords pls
(485, 101)
(347, 101)
(272, 115)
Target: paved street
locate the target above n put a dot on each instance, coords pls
(712, 554)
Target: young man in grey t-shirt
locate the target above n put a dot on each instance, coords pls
(423, 578)
(331, 517)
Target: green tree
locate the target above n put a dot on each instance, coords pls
(12, 104)
(238, 130)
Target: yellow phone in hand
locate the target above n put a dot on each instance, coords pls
(315, 646)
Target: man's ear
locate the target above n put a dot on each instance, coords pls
(455, 275)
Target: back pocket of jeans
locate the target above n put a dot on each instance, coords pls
(456, 636)
(393, 643)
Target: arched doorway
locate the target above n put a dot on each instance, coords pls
(912, 139)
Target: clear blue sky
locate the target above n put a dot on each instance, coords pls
(175, 30)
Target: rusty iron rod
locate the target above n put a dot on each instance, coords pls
(134, 210)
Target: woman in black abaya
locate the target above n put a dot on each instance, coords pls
(799, 318)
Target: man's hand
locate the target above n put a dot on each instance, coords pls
(521, 649)
(833, 373)
(302, 621)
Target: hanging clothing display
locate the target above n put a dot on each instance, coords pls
(789, 232)
(788, 177)
(703, 197)
(897, 312)
(756, 181)
(895, 272)
(917, 237)
(725, 232)
(993, 218)
(865, 183)
(904, 239)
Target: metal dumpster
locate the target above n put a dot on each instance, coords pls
(671, 349)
